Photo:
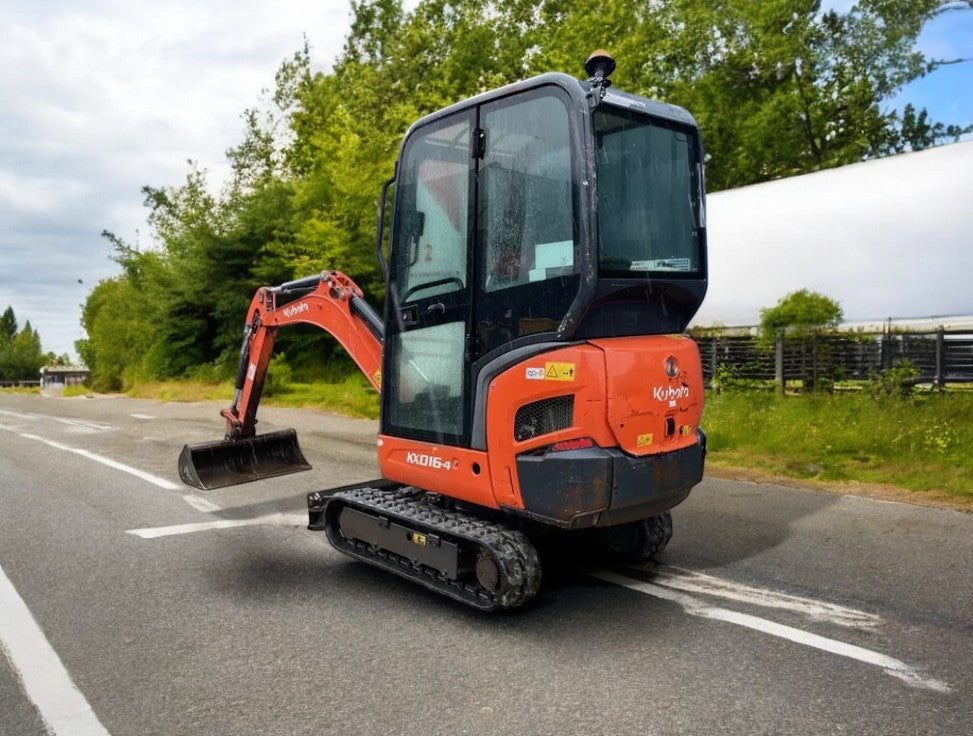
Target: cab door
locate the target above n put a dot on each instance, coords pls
(426, 381)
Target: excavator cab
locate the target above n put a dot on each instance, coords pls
(546, 252)
(542, 213)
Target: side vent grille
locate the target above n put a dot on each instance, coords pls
(542, 417)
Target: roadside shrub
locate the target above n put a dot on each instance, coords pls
(899, 381)
(279, 375)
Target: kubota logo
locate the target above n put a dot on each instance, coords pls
(668, 393)
(296, 309)
(428, 461)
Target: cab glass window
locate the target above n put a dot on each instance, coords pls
(649, 195)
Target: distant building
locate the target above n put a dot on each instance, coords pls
(63, 375)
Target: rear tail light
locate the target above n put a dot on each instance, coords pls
(579, 443)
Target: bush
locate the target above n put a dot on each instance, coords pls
(279, 376)
(899, 381)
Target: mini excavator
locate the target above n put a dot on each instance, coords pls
(546, 252)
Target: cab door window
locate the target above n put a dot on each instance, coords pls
(526, 219)
(429, 300)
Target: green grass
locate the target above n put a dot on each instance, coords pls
(352, 396)
(920, 443)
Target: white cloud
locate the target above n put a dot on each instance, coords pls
(103, 97)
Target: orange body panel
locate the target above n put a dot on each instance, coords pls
(578, 370)
(642, 396)
(623, 398)
(453, 471)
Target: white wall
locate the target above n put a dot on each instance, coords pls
(891, 237)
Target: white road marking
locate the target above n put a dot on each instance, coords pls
(82, 424)
(200, 504)
(61, 705)
(270, 519)
(697, 582)
(141, 416)
(153, 479)
(18, 415)
(694, 607)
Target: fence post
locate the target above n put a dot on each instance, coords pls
(939, 381)
(779, 362)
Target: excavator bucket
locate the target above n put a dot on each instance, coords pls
(217, 464)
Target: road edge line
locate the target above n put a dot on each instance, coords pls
(47, 683)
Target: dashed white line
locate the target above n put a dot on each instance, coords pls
(270, 519)
(695, 607)
(154, 479)
(141, 416)
(77, 423)
(200, 504)
(83, 424)
(29, 417)
(61, 706)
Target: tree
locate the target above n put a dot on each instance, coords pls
(8, 325)
(800, 314)
(21, 356)
(802, 317)
(779, 88)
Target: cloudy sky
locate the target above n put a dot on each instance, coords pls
(98, 98)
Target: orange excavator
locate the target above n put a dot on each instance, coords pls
(546, 252)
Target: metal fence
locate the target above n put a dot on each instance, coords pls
(941, 356)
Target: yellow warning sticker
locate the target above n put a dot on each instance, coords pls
(643, 440)
(418, 538)
(378, 378)
(686, 430)
(559, 371)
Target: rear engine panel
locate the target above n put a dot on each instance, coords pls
(632, 447)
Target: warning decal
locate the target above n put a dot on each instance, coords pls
(559, 371)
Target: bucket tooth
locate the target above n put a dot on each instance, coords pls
(212, 465)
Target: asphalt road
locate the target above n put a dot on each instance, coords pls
(774, 610)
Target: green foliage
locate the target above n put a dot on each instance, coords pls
(21, 355)
(779, 88)
(118, 319)
(921, 443)
(8, 325)
(899, 381)
(279, 375)
(800, 314)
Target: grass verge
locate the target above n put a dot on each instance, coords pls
(353, 396)
(920, 443)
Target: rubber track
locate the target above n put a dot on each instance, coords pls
(516, 557)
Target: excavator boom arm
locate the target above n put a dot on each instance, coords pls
(331, 301)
